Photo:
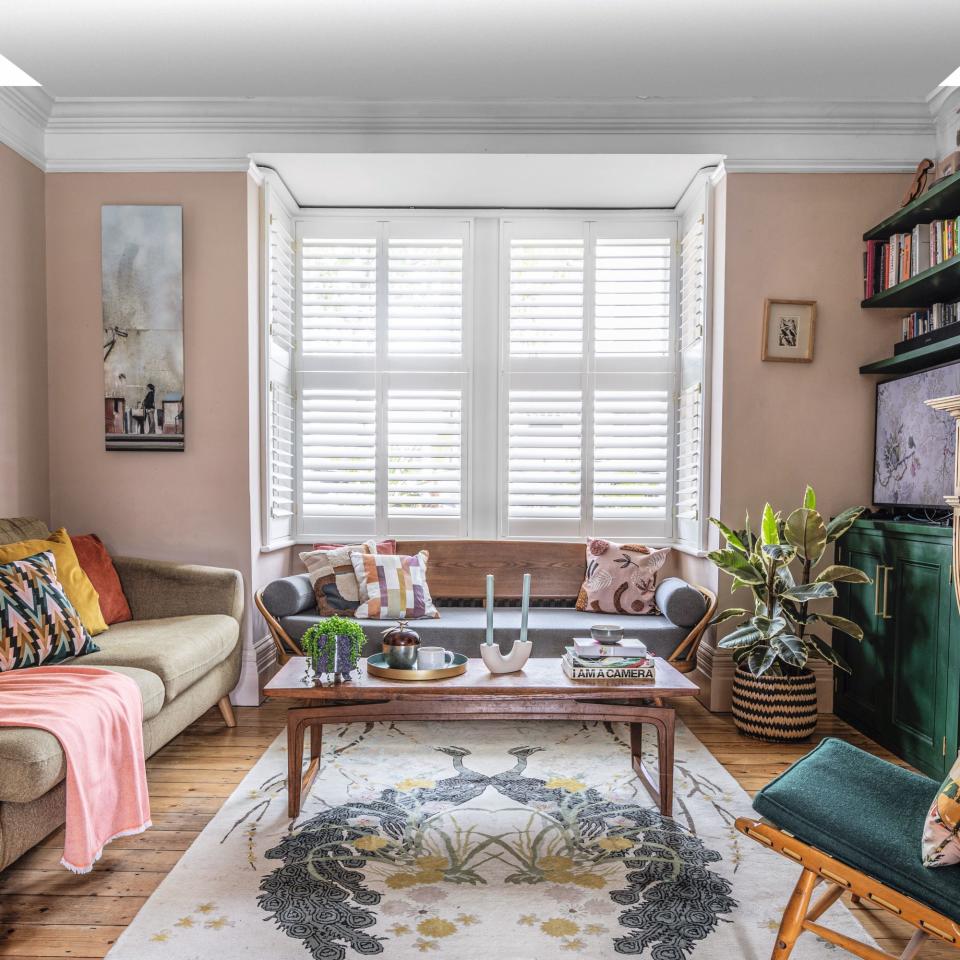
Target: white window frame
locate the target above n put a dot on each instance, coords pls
(485, 338)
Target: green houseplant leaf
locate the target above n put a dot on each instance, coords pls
(825, 652)
(741, 637)
(838, 573)
(760, 659)
(737, 565)
(842, 624)
(842, 522)
(790, 648)
(728, 614)
(731, 536)
(768, 526)
(805, 592)
(804, 529)
(809, 498)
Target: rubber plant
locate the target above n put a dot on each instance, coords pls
(320, 644)
(776, 637)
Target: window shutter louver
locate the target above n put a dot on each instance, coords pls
(544, 454)
(630, 460)
(546, 298)
(339, 443)
(423, 456)
(279, 410)
(691, 286)
(632, 297)
(689, 440)
(339, 296)
(425, 308)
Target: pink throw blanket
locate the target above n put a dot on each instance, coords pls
(97, 716)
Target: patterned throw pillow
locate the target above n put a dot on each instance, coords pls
(332, 577)
(393, 587)
(38, 624)
(621, 578)
(941, 832)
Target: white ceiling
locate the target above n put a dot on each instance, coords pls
(487, 180)
(485, 49)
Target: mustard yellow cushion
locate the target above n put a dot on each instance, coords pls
(76, 584)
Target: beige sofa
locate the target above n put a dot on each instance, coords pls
(182, 649)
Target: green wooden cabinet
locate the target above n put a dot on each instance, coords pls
(905, 688)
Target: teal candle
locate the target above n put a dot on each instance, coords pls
(525, 607)
(490, 608)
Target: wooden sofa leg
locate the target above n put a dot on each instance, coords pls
(226, 711)
(791, 926)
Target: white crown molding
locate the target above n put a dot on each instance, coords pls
(946, 111)
(152, 165)
(221, 134)
(24, 112)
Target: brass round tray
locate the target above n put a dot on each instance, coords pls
(377, 667)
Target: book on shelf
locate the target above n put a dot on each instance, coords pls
(920, 323)
(628, 646)
(901, 256)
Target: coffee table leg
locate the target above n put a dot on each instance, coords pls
(299, 780)
(663, 720)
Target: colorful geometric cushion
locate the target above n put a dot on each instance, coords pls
(393, 587)
(97, 565)
(331, 574)
(76, 584)
(941, 832)
(621, 578)
(38, 624)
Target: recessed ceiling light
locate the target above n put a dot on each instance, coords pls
(953, 80)
(12, 76)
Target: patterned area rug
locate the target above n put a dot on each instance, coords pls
(515, 841)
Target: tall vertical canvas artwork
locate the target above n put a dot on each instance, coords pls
(142, 289)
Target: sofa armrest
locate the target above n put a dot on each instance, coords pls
(161, 588)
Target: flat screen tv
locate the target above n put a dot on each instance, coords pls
(915, 444)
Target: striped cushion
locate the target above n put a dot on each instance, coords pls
(393, 587)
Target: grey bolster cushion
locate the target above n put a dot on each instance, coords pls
(681, 603)
(290, 595)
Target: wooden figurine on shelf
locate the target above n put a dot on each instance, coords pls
(921, 180)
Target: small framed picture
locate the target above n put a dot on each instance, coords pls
(788, 327)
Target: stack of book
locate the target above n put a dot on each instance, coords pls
(903, 255)
(625, 662)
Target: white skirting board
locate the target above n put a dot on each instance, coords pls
(259, 664)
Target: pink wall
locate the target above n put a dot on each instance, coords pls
(193, 505)
(24, 485)
(787, 424)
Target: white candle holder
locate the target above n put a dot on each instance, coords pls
(493, 659)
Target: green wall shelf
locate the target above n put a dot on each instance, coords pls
(920, 359)
(938, 203)
(939, 284)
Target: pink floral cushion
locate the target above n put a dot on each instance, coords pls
(621, 577)
(941, 832)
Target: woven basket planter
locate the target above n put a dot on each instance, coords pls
(779, 709)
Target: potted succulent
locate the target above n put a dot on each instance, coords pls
(774, 691)
(333, 646)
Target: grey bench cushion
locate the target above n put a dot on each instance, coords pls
(462, 629)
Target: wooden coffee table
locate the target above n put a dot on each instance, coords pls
(541, 691)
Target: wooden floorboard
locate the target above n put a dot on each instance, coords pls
(46, 912)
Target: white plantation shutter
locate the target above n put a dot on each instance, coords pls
(689, 456)
(278, 418)
(383, 307)
(339, 449)
(632, 297)
(544, 457)
(689, 442)
(691, 286)
(424, 453)
(339, 295)
(630, 454)
(546, 297)
(425, 307)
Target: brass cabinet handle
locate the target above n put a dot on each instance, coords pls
(876, 591)
(884, 614)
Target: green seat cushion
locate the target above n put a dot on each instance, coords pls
(865, 812)
(32, 760)
(179, 650)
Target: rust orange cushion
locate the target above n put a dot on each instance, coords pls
(97, 565)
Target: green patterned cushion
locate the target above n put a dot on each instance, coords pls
(38, 624)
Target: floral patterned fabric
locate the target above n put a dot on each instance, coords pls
(941, 833)
(621, 578)
(38, 624)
